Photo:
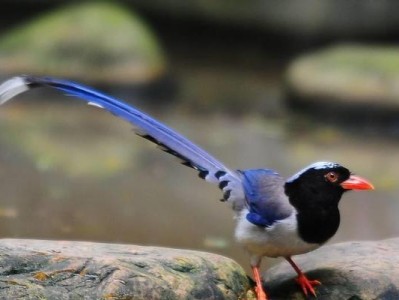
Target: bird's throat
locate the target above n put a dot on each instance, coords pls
(318, 225)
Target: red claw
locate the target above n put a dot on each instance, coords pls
(307, 285)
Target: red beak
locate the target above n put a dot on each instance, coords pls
(357, 183)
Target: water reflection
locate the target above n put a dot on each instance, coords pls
(69, 171)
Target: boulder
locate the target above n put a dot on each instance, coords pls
(348, 85)
(101, 42)
(348, 74)
(311, 18)
(351, 270)
(37, 269)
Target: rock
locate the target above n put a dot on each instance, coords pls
(351, 270)
(348, 74)
(96, 41)
(36, 269)
(306, 19)
(310, 19)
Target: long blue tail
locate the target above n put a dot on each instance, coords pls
(167, 139)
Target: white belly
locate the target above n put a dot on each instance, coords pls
(280, 239)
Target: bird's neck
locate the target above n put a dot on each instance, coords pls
(318, 226)
(317, 213)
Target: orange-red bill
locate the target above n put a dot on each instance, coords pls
(357, 183)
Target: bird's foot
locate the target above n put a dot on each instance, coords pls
(307, 285)
(260, 293)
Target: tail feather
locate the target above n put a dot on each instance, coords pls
(167, 139)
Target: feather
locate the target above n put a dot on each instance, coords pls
(145, 126)
(267, 202)
(12, 88)
(320, 165)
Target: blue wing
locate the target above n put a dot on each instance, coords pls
(167, 139)
(264, 193)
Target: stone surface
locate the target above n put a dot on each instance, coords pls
(36, 269)
(311, 18)
(347, 74)
(352, 270)
(95, 41)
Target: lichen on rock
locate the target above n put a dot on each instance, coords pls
(95, 41)
(76, 270)
(350, 74)
(352, 270)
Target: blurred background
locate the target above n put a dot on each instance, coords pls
(262, 83)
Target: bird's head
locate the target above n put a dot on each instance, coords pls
(324, 182)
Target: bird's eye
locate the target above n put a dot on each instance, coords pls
(331, 177)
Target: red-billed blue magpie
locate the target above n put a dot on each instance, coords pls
(276, 217)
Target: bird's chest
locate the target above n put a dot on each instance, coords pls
(280, 239)
(318, 224)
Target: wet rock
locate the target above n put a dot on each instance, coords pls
(99, 42)
(311, 18)
(351, 74)
(349, 84)
(352, 270)
(35, 269)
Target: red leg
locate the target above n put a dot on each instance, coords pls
(260, 293)
(306, 284)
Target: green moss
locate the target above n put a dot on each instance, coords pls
(359, 58)
(97, 39)
(349, 73)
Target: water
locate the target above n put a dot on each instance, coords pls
(69, 171)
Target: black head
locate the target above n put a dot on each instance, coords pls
(322, 183)
(318, 183)
(315, 193)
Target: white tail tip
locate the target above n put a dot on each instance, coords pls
(11, 88)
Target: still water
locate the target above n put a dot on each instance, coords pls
(69, 171)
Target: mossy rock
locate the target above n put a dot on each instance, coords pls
(99, 41)
(308, 19)
(349, 74)
(365, 270)
(35, 269)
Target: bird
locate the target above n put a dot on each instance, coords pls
(275, 216)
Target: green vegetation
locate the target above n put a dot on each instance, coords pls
(97, 40)
(349, 73)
